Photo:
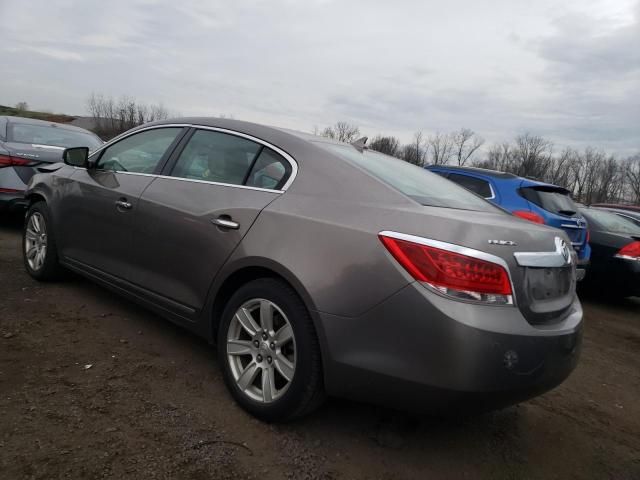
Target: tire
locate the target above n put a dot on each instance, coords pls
(47, 267)
(256, 364)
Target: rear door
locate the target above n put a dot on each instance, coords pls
(100, 206)
(192, 218)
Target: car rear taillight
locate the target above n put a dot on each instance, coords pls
(630, 251)
(531, 216)
(9, 161)
(452, 273)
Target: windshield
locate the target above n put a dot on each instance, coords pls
(552, 200)
(423, 186)
(50, 135)
(610, 222)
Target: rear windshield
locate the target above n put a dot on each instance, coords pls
(552, 200)
(423, 186)
(48, 135)
(610, 222)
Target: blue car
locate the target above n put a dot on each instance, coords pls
(529, 199)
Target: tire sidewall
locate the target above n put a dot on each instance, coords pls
(284, 297)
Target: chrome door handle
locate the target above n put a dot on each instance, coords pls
(123, 204)
(226, 223)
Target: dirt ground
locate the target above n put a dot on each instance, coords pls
(92, 386)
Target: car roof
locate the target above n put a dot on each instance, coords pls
(618, 206)
(523, 181)
(33, 121)
(292, 141)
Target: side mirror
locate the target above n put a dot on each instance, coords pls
(76, 157)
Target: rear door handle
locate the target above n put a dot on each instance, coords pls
(123, 204)
(226, 223)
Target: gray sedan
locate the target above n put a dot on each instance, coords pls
(316, 267)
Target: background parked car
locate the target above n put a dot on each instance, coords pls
(615, 256)
(528, 199)
(624, 211)
(25, 144)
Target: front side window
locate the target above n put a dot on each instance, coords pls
(138, 153)
(423, 186)
(476, 185)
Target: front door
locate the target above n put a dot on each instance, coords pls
(191, 220)
(101, 205)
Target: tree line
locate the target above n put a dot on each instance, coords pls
(592, 175)
(112, 116)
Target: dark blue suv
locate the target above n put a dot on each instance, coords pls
(529, 199)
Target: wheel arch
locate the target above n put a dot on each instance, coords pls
(245, 270)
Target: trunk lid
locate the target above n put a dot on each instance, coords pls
(542, 271)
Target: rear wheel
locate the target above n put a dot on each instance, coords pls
(269, 351)
(39, 245)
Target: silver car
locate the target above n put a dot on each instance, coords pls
(316, 267)
(27, 144)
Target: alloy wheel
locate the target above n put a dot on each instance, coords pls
(261, 350)
(35, 245)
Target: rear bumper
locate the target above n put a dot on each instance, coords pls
(422, 352)
(12, 202)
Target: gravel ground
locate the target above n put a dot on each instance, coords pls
(92, 386)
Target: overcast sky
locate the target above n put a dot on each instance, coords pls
(568, 70)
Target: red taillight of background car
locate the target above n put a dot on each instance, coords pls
(630, 251)
(9, 161)
(451, 273)
(531, 216)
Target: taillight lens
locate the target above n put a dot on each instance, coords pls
(630, 251)
(9, 161)
(452, 273)
(531, 216)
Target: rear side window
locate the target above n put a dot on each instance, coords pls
(216, 157)
(419, 184)
(552, 200)
(224, 158)
(269, 171)
(476, 185)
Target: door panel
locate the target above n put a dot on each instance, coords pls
(101, 202)
(94, 229)
(178, 247)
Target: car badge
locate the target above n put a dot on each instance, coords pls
(509, 243)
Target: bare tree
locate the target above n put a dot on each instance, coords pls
(111, 117)
(466, 143)
(342, 131)
(632, 171)
(385, 144)
(441, 147)
(532, 155)
(22, 107)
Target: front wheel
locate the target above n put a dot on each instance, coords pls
(269, 351)
(39, 245)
